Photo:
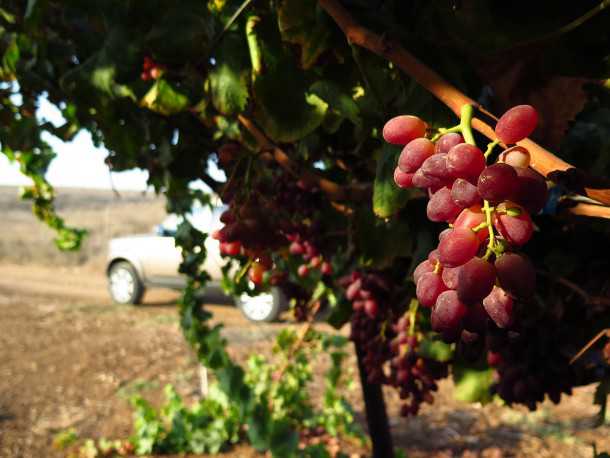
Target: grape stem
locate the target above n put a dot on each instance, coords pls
(491, 245)
(442, 132)
(490, 147)
(466, 124)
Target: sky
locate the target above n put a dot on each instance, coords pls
(79, 163)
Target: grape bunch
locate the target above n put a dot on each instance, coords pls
(411, 373)
(475, 273)
(370, 294)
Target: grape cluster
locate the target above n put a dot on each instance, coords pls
(412, 374)
(386, 335)
(150, 69)
(474, 273)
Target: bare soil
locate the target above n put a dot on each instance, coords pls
(69, 358)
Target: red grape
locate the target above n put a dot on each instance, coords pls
(499, 307)
(446, 142)
(517, 123)
(441, 206)
(465, 160)
(516, 230)
(424, 267)
(403, 179)
(425, 181)
(516, 274)
(400, 130)
(497, 182)
(475, 280)
(494, 359)
(458, 247)
(429, 286)
(464, 193)
(470, 218)
(476, 318)
(414, 154)
(450, 276)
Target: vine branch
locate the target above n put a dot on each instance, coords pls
(334, 191)
(542, 160)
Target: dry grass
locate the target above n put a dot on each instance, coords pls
(25, 240)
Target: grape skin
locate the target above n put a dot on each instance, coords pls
(499, 307)
(447, 141)
(450, 276)
(464, 193)
(436, 166)
(465, 161)
(402, 179)
(516, 230)
(531, 190)
(447, 314)
(517, 156)
(429, 286)
(423, 267)
(441, 206)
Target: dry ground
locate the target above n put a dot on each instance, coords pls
(69, 358)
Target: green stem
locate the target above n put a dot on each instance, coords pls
(465, 124)
(490, 147)
(412, 314)
(491, 244)
(442, 132)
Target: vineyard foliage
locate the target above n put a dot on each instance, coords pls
(273, 94)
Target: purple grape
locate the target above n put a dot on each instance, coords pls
(458, 247)
(464, 193)
(516, 274)
(425, 181)
(531, 190)
(516, 230)
(429, 286)
(499, 306)
(475, 280)
(464, 161)
(516, 124)
(476, 318)
(414, 154)
(441, 206)
(436, 166)
(446, 142)
(448, 313)
(497, 182)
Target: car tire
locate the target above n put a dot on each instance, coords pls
(263, 308)
(124, 284)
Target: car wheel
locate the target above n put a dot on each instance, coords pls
(264, 307)
(124, 284)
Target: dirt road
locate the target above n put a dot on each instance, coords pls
(70, 358)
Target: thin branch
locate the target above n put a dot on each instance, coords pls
(596, 211)
(542, 160)
(334, 191)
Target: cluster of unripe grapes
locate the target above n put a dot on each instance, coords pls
(474, 271)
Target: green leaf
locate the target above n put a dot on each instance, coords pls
(387, 197)
(8, 17)
(162, 98)
(436, 349)
(11, 57)
(229, 77)
(337, 100)
(472, 384)
(302, 23)
(284, 107)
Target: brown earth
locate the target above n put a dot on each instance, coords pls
(70, 359)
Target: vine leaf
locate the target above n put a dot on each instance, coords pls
(301, 23)
(337, 100)
(472, 384)
(229, 78)
(284, 107)
(162, 98)
(387, 197)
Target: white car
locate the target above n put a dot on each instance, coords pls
(138, 262)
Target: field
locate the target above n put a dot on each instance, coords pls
(70, 359)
